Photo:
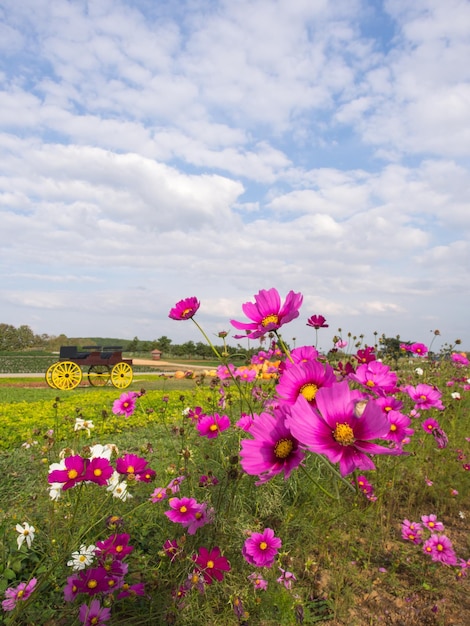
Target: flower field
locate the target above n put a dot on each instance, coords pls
(300, 488)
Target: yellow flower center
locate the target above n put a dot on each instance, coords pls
(309, 391)
(344, 434)
(94, 620)
(92, 583)
(270, 319)
(72, 474)
(186, 312)
(283, 448)
(119, 548)
(210, 564)
(82, 558)
(370, 383)
(195, 579)
(130, 469)
(431, 524)
(20, 594)
(263, 545)
(25, 532)
(183, 509)
(97, 472)
(213, 427)
(125, 404)
(198, 515)
(393, 427)
(388, 408)
(421, 397)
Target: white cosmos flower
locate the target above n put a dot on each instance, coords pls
(81, 424)
(455, 395)
(419, 371)
(26, 533)
(82, 558)
(118, 488)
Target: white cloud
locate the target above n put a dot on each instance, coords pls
(150, 153)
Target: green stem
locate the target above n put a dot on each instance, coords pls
(316, 483)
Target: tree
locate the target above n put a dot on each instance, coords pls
(163, 344)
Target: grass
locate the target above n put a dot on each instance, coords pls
(351, 563)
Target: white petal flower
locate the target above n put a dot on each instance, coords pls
(118, 488)
(26, 533)
(55, 490)
(419, 371)
(82, 558)
(81, 424)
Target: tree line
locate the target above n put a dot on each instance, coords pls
(22, 338)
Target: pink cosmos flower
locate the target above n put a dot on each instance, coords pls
(424, 396)
(429, 425)
(211, 425)
(94, 615)
(286, 578)
(125, 404)
(267, 313)
(185, 309)
(245, 422)
(399, 427)
(304, 379)
(212, 565)
(246, 374)
(273, 448)
(202, 516)
(418, 349)
(389, 403)
(258, 582)
(131, 464)
(226, 371)
(130, 591)
(92, 581)
(333, 428)
(460, 358)
(366, 355)
(260, 549)
(99, 470)
(15, 594)
(439, 548)
(317, 321)
(172, 549)
(431, 522)
(376, 377)
(412, 531)
(117, 546)
(182, 510)
(299, 355)
(73, 472)
(340, 344)
(159, 494)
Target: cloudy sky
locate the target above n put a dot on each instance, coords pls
(152, 150)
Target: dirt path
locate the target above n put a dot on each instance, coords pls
(165, 364)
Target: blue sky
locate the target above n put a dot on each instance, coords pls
(155, 150)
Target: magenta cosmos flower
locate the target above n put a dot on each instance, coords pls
(211, 425)
(117, 546)
(19, 593)
(424, 396)
(333, 428)
(376, 377)
(439, 548)
(185, 309)
(304, 379)
(317, 321)
(183, 510)
(260, 549)
(418, 349)
(267, 313)
(125, 404)
(273, 448)
(94, 615)
(73, 472)
(212, 565)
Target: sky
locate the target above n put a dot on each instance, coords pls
(152, 150)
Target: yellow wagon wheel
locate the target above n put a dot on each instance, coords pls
(121, 375)
(49, 371)
(66, 375)
(98, 375)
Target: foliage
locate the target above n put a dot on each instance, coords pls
(341, 536)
